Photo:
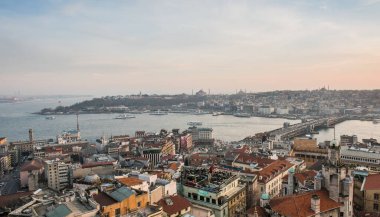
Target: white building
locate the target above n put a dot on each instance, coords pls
(266, 110)
(282, 111)
(361, 157)
(57, 174)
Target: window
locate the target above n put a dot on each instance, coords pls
(138, 204)
(213, 201)
(201, 198)
(189, 195)
(376, 207)
(376, 196)
(207, 200)
(117, 212)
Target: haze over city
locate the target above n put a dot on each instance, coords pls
(122, 47)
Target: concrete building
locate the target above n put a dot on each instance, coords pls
(266, 110)
(335, 178)
(58, 175)
(371, 190)
(121, 201)
(308, 150)
(360, 157)
(217, 190)
(348, 140)
(30, 173)
(270, 178)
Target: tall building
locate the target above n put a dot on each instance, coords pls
(58, 175)
(216, 190)
(335, 178)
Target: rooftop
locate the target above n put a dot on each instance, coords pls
(372, 182)
(300, 205)
(199, 178)
(173, 204)
(103, 199)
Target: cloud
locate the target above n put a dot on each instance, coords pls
(150, 45)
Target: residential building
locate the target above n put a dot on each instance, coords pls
(58, 175)
(217, 190)
(270, 178)
(30, 173)
(121, 201)
(371, 189)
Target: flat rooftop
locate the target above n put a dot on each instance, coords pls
(198, 177)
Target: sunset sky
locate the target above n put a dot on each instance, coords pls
(159, 46)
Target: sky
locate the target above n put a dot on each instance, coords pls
(161, 46)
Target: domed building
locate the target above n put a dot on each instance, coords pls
(92, 178)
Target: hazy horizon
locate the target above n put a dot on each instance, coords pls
(104, 48)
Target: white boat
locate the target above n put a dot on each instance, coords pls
(194, 123)
(216, 113)
(242, 115)
(125, 116)
(159, 113)
(50, 118)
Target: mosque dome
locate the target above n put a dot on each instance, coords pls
(92, 178)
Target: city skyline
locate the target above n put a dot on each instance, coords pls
(112, 48)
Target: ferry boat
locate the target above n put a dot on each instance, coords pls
(242, 115)
(159, 113)
(194, 123)
(50, 118)
(200, 112)
(125, 116)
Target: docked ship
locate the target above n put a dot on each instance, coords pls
(125, 116)
(216, 113)
(158, 112)
(50, 118)
(194, 123)
(242, 115)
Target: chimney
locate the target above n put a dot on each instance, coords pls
(316, 204)
(30, 135)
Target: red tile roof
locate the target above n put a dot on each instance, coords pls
(372, 182)
(103, 199)
(248, 159)
(271, 171)
(179, 203)
(306, 175)
(130, 181)
(300, 205)
(173, 166)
